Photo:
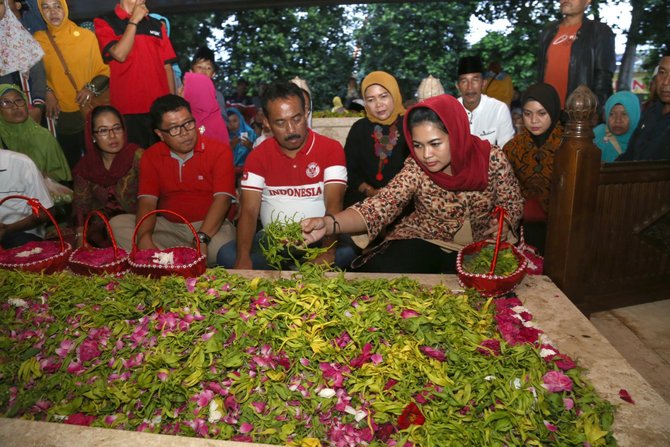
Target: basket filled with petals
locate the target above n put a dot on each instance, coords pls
(36, 256)
(89, 260)
(491, 269)
(182, 261)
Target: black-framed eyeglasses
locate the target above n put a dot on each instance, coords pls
(176, 130)
(8, 103)
(105, 131)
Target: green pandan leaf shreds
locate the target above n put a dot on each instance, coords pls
(480, 263)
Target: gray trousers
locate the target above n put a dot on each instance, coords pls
(171, 234)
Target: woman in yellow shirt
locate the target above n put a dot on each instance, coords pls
(89, 75)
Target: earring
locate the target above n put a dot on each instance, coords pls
(94, 140)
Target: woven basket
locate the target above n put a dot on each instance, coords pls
(50, 256)
(111, 260)
(490, 285)
(191, 262)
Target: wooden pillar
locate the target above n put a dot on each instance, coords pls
(568, 253)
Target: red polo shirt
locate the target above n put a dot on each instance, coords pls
(187, 187)
(137, 82)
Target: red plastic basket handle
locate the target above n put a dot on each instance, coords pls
(500, 211)
(139, 224)
(109, 230)
(36, 207)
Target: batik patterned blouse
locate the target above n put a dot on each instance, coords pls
(439, 214)
(533, 165)
(117, 199)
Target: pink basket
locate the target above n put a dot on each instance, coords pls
(88, 260)
(486, 284)
(189, 262)
(49, 256)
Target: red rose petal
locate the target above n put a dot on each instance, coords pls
(624, 395)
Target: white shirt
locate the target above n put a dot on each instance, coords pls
(491, 120)
(20, 176)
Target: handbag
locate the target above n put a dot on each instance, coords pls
(100, 94)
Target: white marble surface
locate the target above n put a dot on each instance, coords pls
(646, 423)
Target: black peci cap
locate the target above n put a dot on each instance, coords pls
(470, 64)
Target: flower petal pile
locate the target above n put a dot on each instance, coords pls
(307, 360)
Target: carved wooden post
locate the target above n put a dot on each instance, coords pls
(574, 191)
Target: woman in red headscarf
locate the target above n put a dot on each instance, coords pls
(455, 181)
(106, 177)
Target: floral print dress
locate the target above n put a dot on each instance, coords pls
(439, 214)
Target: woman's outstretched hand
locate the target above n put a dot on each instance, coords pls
(313, 229)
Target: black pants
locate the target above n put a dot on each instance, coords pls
(410, 256)
(73, 147)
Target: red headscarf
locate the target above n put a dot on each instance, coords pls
(469, 154)
(91, 166)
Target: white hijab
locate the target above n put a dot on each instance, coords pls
(19, 51)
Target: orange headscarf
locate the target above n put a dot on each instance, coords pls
(79, 47)
(389, 83)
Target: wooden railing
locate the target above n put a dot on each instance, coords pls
(608, 239)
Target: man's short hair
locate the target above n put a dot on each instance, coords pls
(281, 90)
(204, 54)
(470, 64)
(165, 104)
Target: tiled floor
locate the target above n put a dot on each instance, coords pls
(642, 335)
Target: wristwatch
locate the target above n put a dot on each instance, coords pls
(203, 237)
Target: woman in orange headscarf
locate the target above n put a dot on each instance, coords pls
(66, 95)
(375, 147)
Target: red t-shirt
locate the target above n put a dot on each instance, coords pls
(187, 187)
(293, 188)
(558, 59)
(137, 82)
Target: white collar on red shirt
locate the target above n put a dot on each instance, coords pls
(305, 149)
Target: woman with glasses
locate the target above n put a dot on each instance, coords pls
(21, 134)
(106, 177)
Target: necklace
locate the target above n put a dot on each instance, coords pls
(384, 145)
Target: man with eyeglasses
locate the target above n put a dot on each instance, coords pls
(489, 118)
(187, 173)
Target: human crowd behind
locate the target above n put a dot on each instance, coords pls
(414, 182)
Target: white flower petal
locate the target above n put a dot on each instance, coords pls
(517, 383)
(489, 378)
(350, 410)
(360, 415)
(327, 393)
(214, 414)
(544, 352)
(17, 302)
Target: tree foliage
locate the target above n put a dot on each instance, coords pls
(413, 40)
(326, 44)
(191, 31)
(265, 45)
